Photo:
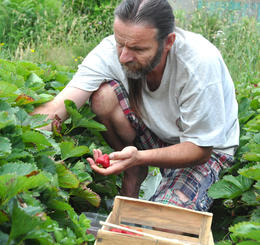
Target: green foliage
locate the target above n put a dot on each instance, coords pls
(24, 20)
(240, 186)
(58, 31)
(44, 174)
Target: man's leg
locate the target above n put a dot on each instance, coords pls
(119, 134)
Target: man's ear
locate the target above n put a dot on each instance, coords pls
(170, 40)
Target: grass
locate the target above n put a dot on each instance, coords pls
(64, 40)
(238, 39)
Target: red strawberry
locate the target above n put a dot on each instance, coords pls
(104, 161)
(116, 230)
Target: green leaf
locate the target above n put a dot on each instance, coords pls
(257, 138)
(255, 216)
(7, 90)
(224, 243)
(35, 121)
(252, 156)
(78, 120)
(34, 82)
(41, 236)
(244, 110)
(240, 181)
(254, 124)
(69, 150)
(36, 138)
(66, 178)
(3, 218)
(230, 187)
(251, 172)
(80, 170)
(11, 184)
(248, 243)
(87, 194)
(6, 119)
(43, 98)
(17, 168)
(257, 185)
(248, 230)
(249, 198)
(5, 147)
(23, 224)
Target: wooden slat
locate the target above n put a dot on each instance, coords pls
(205, 230)
(110, 238)
(163, 216)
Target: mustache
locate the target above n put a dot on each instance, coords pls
(132, 65)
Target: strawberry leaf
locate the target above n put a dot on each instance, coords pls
(12, 184)
(5, 148)
(69, 150)
(6, 119)
(66, 178)
(36, 138)
(87, 194)
(17, 168)
(249, 230)
(251, 172)
(25, 225)
(230, 187)
(78, 120)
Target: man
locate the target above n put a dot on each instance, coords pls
(166, 99)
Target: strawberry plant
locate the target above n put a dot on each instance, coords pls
(44, 179)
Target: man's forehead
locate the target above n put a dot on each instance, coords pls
(134, 32)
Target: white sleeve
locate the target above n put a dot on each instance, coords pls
(99, 65)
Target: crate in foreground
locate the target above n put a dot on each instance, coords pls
(151, 223)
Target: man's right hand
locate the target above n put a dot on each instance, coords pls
(57, 107)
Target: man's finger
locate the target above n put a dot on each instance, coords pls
(119, 155)
(96, 153)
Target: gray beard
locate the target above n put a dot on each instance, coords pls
(141, 73)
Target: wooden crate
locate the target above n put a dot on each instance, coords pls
(160, 224)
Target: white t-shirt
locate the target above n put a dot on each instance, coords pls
(196, 98)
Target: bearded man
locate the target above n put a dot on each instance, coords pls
(167, 100)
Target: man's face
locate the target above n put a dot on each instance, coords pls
(137, 47)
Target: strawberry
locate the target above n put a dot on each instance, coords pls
(125, 232)
(104, 161)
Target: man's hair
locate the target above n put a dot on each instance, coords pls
(155, 13)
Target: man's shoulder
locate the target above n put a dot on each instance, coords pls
(105, 50)
(193, 49)
(108, 41)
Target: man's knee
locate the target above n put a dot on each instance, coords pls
(104, 100)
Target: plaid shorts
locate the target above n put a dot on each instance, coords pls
(193, 182)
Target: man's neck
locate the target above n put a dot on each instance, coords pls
(154, 78)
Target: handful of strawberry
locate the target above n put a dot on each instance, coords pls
(103, 160)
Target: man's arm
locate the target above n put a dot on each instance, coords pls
(57, 107)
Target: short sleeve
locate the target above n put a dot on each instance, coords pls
(99, 65)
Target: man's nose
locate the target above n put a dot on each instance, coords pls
(125, 56)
